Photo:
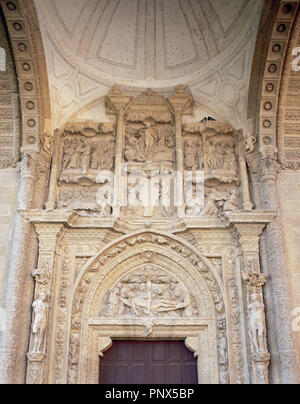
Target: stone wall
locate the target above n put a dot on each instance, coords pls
(8, 190)
(9, 149)
(290, 210)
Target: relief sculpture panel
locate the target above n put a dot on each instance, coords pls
(149, 292)
(86, 153)
(143, 163)
(212, 148)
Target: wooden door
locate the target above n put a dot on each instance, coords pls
(148, 362)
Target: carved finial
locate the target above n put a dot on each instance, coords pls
(180, 89)
(116, 90)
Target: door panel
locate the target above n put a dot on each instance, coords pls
(148, 362)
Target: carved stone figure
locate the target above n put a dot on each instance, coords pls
(211, 208)
(190, 155)
(232, 202)
(134, 150)
(102, 157)
(257, 323)
(40, 308)
(150, 137)
(250, 142)
(151, 293)
(219, 201)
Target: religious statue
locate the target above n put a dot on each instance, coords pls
(190, 155)
(40, 308)
(257, 323)
(151, 137)
(149, 295)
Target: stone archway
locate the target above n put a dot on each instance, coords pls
(198, 316)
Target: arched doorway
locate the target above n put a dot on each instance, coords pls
(148, 362)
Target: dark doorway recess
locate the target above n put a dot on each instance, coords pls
(148, 362)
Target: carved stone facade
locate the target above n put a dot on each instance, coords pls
(147, 222)
(146, 278)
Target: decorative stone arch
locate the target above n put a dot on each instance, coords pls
(266, 158)
(33, 146)
(93, 333)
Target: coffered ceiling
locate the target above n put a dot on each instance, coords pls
(206, 44)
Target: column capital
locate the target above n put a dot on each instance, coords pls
(247, 227)
(116, 101)
(48, 234)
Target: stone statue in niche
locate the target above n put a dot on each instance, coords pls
(257, 321)
(40, 309)
(149, 293)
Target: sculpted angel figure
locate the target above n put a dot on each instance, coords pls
(40, 308)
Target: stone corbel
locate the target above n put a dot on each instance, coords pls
(48, 235)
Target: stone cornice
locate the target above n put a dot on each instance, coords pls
(73, 219)
(254, 216)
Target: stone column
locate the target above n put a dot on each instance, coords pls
(43, 275)
(247, 204)
(117, 103)
(277, 293)
(14, 341)
(51, 203)
(247, 236)
(180, 101)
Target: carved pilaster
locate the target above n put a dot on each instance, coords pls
(264, 170)
(116, 103)
(247, 204)
(43, 275)
(180, 102)
(50, 204)
(247, 236)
